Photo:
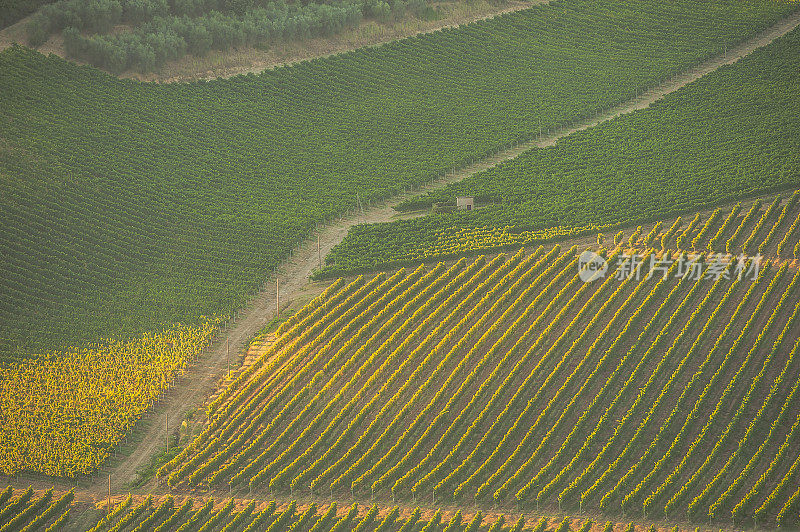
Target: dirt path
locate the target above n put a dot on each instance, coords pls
(202, 379)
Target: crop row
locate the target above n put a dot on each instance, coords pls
(514, 377)
(189, 183)
(28, 512)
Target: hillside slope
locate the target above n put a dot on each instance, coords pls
(131, 206)
(655, 393)
(34, 510)
(731, 134)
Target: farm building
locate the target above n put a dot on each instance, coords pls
(465, 202)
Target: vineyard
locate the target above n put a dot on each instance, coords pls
(608, 342)
(129, 207)
(29, 511)
(728, 135)
(667, 389)
(63, 414)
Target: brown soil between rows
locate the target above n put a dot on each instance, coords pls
(86, 511)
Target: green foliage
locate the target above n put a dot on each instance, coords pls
(324, 522)
(388, 522)
(165, 38)
(13, 10)
(541, 526)
(411, 522)
(378, 9)
(475, 524)
(128, 207)
(519, 525)
(165, 30)
(634, 238)
(434, 523)
(731, 134)
(498, 525)
(455, 523)
(96, 16)
(634, 343)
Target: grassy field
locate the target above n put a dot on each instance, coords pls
(728, 135)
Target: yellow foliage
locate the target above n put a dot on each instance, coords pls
(62, 412)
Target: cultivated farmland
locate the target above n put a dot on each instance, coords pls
(510, 379)
(31, 510)
(731, 134)
(131, 207)
(455, 372)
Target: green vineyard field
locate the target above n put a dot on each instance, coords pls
(729, 135)
(608, 342)
(30, 511)
(129, 207)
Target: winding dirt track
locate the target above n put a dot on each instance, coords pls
(202, 379)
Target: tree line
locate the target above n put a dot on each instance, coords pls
(169, 38)
(168, 29)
